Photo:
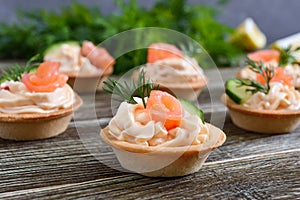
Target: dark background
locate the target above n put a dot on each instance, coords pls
(276, 18)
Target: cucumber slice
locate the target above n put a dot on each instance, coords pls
(53, 48)
(236, 92)
(192, 109)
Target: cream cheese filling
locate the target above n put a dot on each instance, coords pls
(72, 62)
(280, 97)
(133, 127)
(175, 70)
(17, 99)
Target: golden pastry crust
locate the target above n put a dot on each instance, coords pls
(35, 126)
(262, 121)
(106, 72)
(184, 160)
(190, 92)
(87, 84)
(193, 85)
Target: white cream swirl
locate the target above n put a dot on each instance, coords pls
(132, 126)
(280, 97)
(17, 99)
(175, 70)
(72, 62)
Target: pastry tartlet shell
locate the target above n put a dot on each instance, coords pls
(188, 91)
(88, 83)
(262, 121)
(35, 126)
(187, 159)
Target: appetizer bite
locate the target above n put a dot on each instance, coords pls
(157, 134)
(87, 64)
(284, 58)
(35, 103)
(267, 104)
(175, 72)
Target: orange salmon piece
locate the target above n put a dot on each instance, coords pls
(160, 51)
(265, 56)
(164, 108)
(47, 78)
(279, 76)
(99, 57)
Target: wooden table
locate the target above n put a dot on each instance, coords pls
(247, 166)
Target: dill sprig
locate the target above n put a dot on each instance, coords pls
(14, 73)
(267, 73)
(126, 91)
(287, 55)
(253, 86)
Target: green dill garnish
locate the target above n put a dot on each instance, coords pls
(14, 73)
(286, 55)
(267, 73)
(126, 91)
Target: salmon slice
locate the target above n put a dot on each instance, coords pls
(265, 56)
(160, 51)
(164, 108)
(279, 76)
(99, 57)
(47, 78)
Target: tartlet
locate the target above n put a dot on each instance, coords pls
(158, 135)
(36, 105)
(179, 161)
(269, 104)
(262, 121)
(35, 126)
(173, 71)
(87, 66)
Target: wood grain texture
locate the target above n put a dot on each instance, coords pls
(74, 164)
(267, 177)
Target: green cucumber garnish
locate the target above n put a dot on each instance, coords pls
(192, 109)
(53, 48)
(237, 92)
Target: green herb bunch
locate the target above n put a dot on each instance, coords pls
(14, 73)
(126, 91)
(287, 55)
(39, 29)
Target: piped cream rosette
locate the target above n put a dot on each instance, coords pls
(182, 77)
(175, 72)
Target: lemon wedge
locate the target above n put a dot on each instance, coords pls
(248, 36)
(293, 40)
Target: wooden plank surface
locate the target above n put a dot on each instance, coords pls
(247, 166)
